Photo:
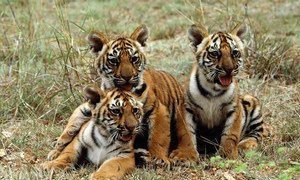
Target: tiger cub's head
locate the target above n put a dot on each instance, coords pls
(120, 61)
(219, 55)
(116, 112)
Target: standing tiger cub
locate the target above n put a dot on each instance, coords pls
(106, 140)
(121, 64)
(217, 114)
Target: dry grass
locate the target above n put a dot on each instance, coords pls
(45, 63)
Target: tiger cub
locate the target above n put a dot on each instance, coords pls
(121, 63)
(106, 140)
(217, 114)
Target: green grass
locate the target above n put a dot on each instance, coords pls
(45, 63)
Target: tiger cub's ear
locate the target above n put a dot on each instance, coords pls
(93, 94)
(140, 34)
(196, 33)
(96, 41)
(239, 30)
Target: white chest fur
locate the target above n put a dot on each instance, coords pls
(210, 109)
(98, 147)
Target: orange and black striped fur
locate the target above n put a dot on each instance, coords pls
(107, 139)
(217, 114)
(122, 64)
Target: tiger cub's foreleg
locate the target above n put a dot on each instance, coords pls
(81, 115)
(186, 150)
(253, 127)
(67, 157)
(231, 133)
(115, 168)
(159, 141)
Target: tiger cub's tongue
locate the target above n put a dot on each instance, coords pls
(126, 137)
(225, 80)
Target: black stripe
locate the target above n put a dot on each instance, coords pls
(246, 102)
(111, 144)
(214, 40)
(176, 88)
(189, 110)
(253, 109)
(145, 101)
(94, 137)
(260, 129)
(168, 87)
(83, 142)
(228, 115)
(141, 90)
(223, 105)
(254, 136)
(117, 97)
(214, 35)
(204, 92)
(246, 117)
(256, 118)
(116, 149)
(221, 93)
(82, 158)
(195, 120)
(104, 86)
(86, 112)
(173, 130)
(228, 37)
(254, 126)
(141, 158)
(191, 99)
(125, 152)
(142, 138)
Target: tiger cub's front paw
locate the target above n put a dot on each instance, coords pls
(53, 155)
(55, 165)
(163, 162)
(248, 144)
(229, 149)
(184, 157)
(103, 176)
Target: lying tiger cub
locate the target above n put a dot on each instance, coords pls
(121, 63)
(106, 139)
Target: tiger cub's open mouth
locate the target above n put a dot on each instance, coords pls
(126, 137)
(225, 80)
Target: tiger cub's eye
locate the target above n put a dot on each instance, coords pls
(113, 61)
(135, 110)
(134, 59)
(214, 54)
(115, 111)
(236, 53)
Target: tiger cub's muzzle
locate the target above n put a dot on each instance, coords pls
(126, 83)
(127, 133)
(225, 76)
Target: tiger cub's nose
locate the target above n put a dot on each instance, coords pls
(126, 78)
(130, 128)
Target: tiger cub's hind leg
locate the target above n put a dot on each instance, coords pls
(253, 128)
(81, 115)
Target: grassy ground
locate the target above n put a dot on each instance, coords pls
(44, 63)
